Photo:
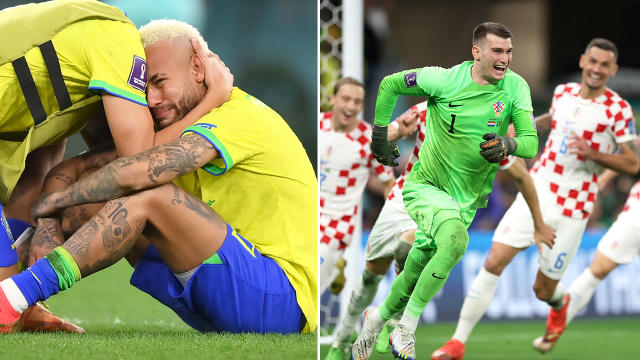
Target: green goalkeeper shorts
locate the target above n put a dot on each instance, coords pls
(429, 207)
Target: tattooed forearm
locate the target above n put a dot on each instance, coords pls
(158, 165)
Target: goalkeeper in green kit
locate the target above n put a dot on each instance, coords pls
(470, 106)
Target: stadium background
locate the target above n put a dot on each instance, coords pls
(548, 37)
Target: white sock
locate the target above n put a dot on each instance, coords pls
(395, 319)
(375, 322)
(581, 291)
(408, 322)
(476, 303)
(13, 293)
(556, 300)
(361, 297)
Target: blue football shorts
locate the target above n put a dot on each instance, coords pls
(235, 290)
(8, 254)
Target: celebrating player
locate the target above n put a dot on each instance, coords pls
(468, 103)
(394, 233)
(588, 123)
(240, 162)
(86, 54)
(345, 164)
(618, 246)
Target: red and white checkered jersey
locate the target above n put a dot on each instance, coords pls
(396, 190)
(569, 180)
(345, 164)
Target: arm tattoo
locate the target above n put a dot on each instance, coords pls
(61, 177)
(161, 163)
(48, 234)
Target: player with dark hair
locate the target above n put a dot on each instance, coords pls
(589, 123)
(469, 109)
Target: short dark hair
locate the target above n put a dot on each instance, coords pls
(481, 31)
(603, 44)
(347, 81)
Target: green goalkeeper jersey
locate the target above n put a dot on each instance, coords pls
(459, 112)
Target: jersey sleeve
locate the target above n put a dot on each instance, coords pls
(623, 127)
(117, 62)
(523, 120)
(233, 141)
(401, 83)
(433, 79)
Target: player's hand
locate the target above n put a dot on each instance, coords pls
(408, 122)
(496, 148)
(579, 146)
(44, 206)
(385, 152)
(216, 74)
(545, 234)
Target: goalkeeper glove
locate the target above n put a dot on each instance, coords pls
(385, 152)
(496, 148)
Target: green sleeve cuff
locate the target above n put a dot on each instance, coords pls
(217, 144)
(401, 83)
(97, 85)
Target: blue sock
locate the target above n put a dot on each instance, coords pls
(38, 282)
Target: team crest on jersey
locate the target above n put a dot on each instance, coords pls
(498, 106)
(138, 75)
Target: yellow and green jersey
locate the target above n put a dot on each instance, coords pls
(102, 53)
(263, 185)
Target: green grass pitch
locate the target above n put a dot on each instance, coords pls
(613, 338)
(125, 323)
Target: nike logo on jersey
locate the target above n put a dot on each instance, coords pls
(451, 105)
(437, 277)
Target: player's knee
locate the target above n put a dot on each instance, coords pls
(542, 292)
(452, 237)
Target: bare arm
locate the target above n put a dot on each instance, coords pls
(625, 161)
(132, 126)
(542, 233)
(387, 185)
(606, 176)
(405, 125)
(122, 176)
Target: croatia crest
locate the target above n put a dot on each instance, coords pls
(498, 106)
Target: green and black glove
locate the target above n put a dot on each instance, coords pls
(385, 152)
(496, 148)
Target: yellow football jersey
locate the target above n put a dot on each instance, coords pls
(264, 186)
(94, 56)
